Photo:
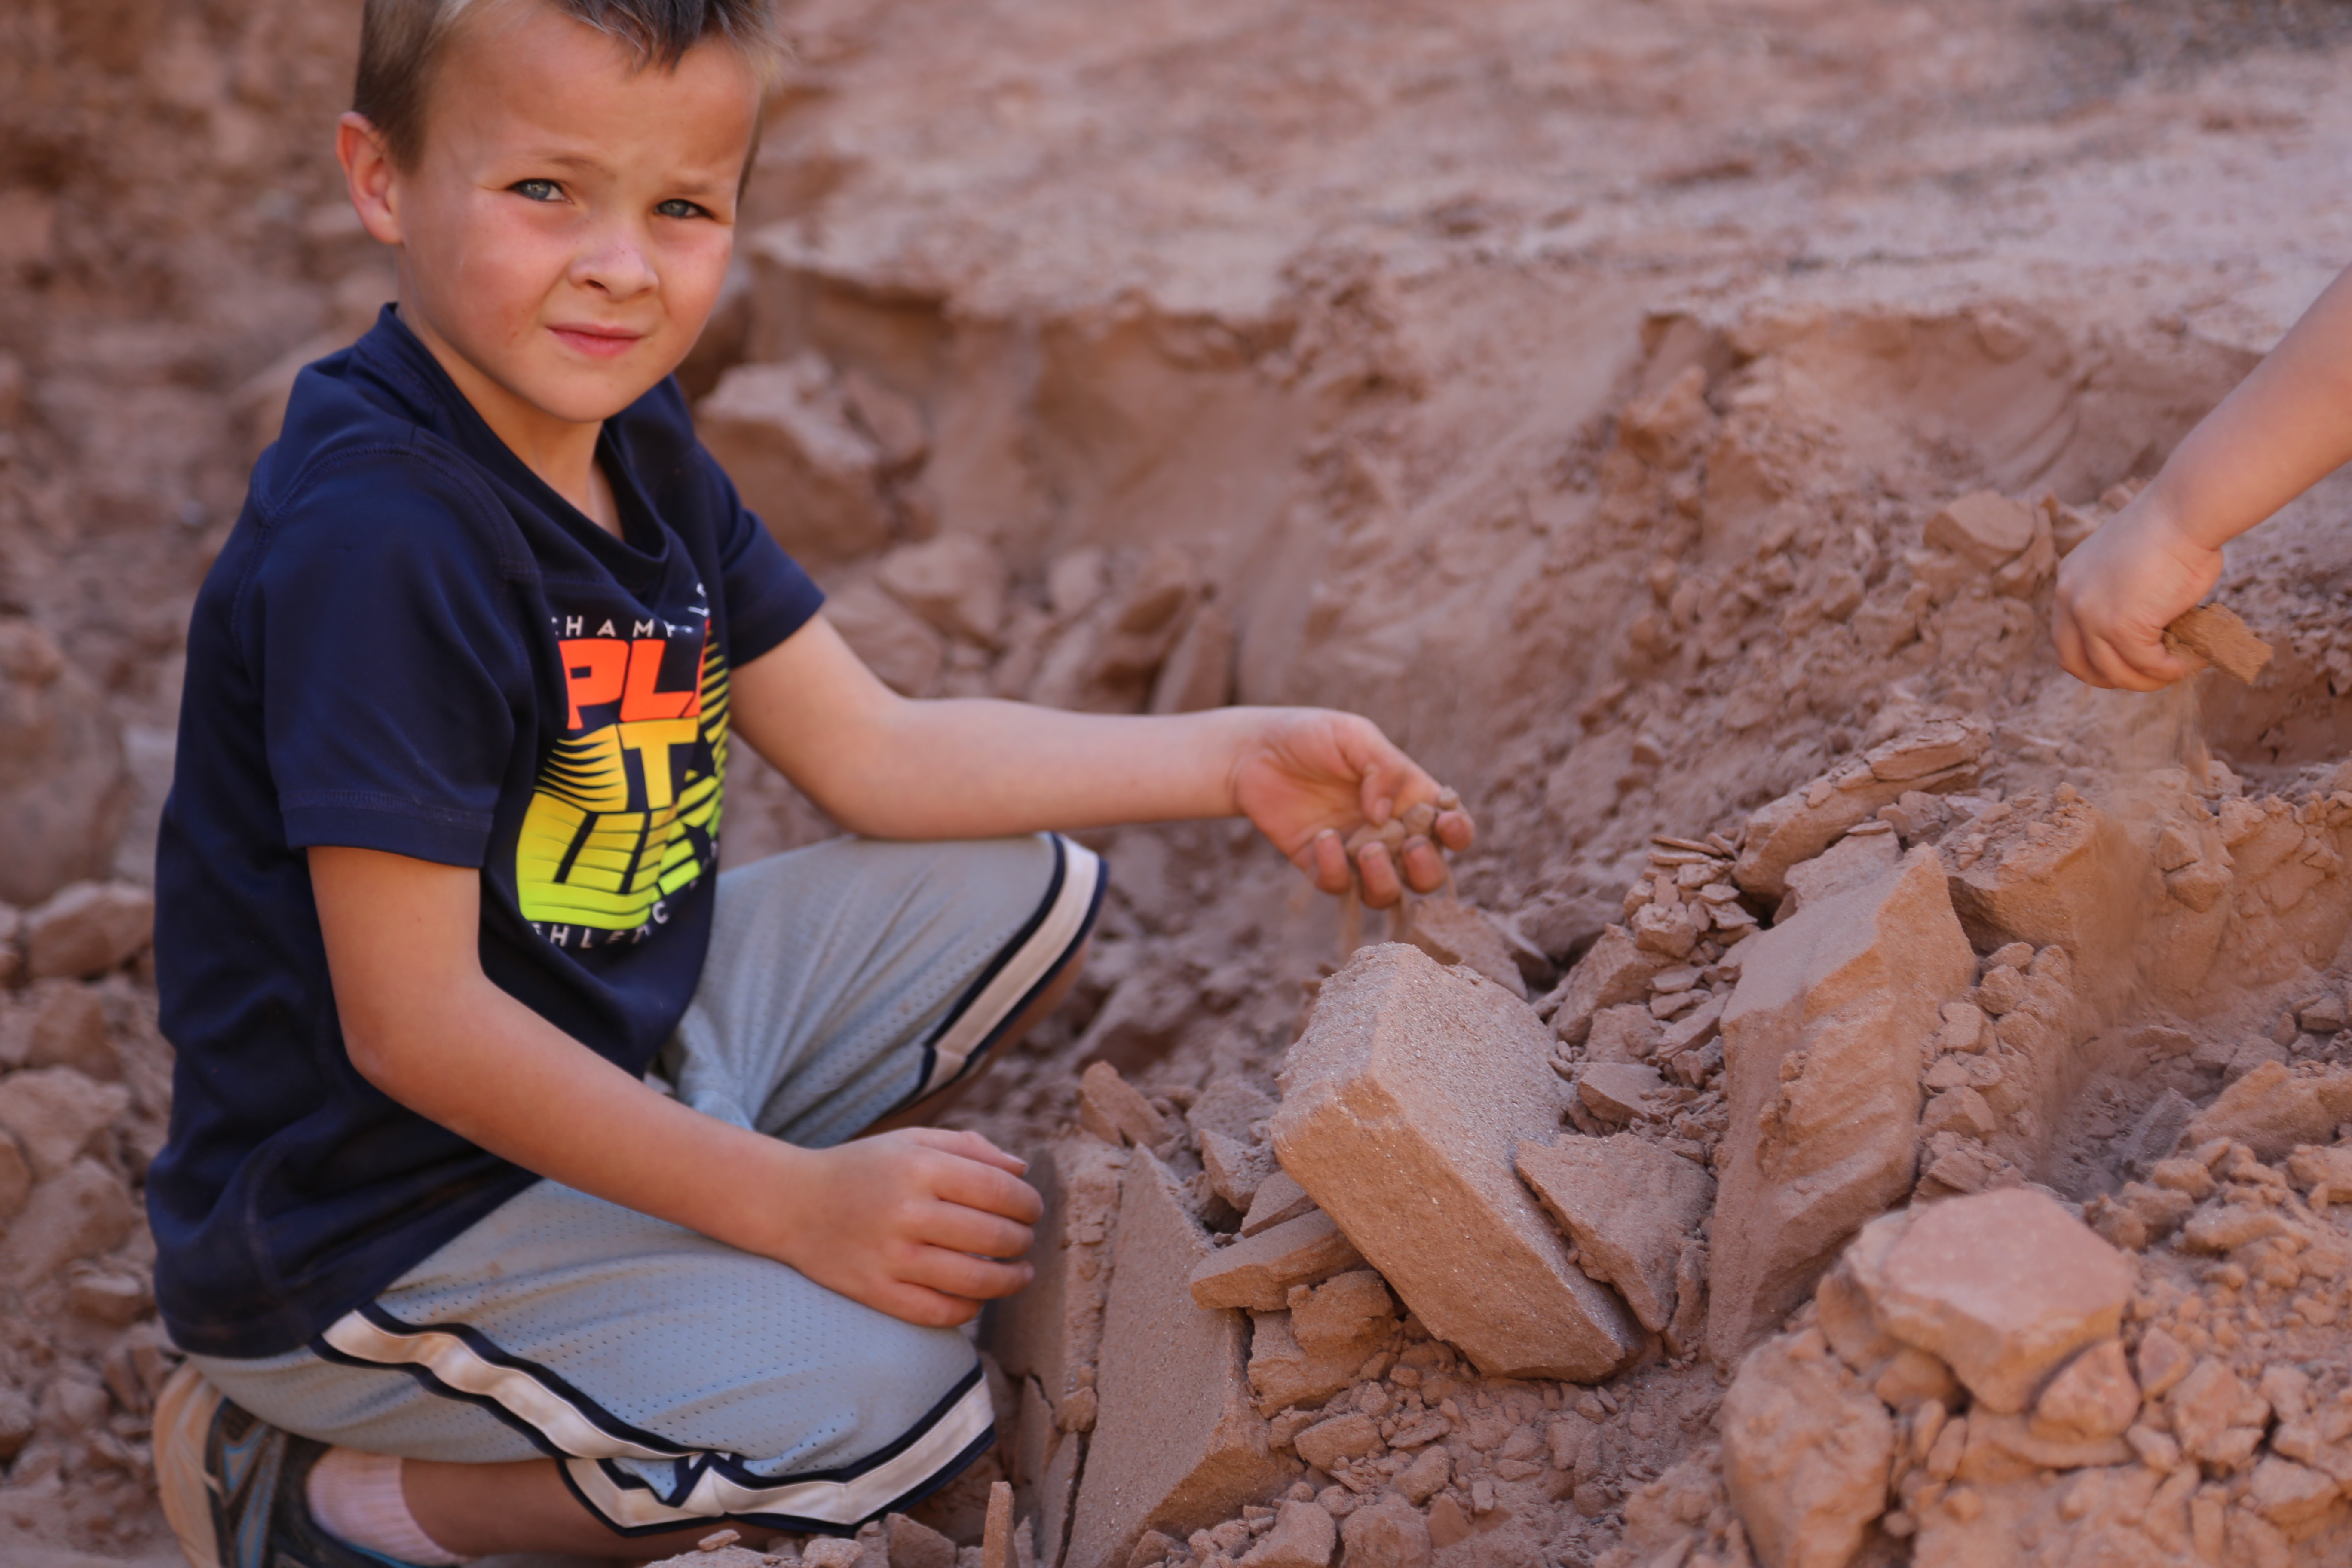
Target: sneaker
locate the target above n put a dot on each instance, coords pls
(233, 1485)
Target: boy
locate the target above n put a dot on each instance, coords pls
(435, 888)
(2284, 428)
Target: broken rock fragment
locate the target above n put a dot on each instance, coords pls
(1391, 1533)
(1304, 1536)
(1824, 1042)
(2216, 634)
(1283, 1372)
(1615, 971)
(1620, 1092)
(1403, 1104)
(1937, 757)
(1985, 529)
(55, 1112)
(2275, 1107)
(86, 929)
(1806, 1449)
(784, 434)
(1279, 1198)
(1112, 1109)
(1452, 932)
(2094, 1396)
(1052, 1331)
(2002, 1287)
(1259, 1271)
(956, 581)
(1178, 1444)
(1629, 1205)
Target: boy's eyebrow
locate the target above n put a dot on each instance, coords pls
(690, 180)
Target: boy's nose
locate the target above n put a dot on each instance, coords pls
(616, 264)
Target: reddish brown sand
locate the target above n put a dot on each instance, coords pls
(1583, 391)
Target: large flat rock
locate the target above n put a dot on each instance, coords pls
(1178, 1445)
(1824, 1043)
(1404, 1104)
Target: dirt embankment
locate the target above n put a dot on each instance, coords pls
(1664, 420)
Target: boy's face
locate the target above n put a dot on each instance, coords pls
(566, 228)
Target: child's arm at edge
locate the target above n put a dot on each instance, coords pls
(891, 1221)
(2285, 428)
(889, 767)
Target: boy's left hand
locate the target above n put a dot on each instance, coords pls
(1309, 777)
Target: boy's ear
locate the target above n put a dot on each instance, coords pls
(370, 176)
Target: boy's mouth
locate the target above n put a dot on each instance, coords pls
(598, 343)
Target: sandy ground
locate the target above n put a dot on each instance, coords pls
(1353, 309)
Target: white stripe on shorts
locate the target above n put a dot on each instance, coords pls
(1070, 907)
(515, 1387)
(721, 1485)
(790, 1503)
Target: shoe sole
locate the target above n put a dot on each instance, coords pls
(184, 1418)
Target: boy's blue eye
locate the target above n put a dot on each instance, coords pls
(536, 190)
(679, 207)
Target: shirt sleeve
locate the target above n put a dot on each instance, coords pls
(769, 596)
(395, 680)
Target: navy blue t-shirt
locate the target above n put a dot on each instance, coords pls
(410, 643)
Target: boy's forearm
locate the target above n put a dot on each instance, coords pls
(481, 1064)
(1018, 768)
(2285, 428)
(970, 768)
(422, 1024)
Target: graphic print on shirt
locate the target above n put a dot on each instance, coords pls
(624, 815)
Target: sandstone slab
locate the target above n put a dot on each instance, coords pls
(2002, 1287)
(1052, 1332)
(1180, 1445)
(1629, 1205)
(1259, 1271)
(1824, 1041)
(1404, 1103)
(1806, 1450)
(1852, 860)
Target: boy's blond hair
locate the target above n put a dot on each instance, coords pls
(401, 41)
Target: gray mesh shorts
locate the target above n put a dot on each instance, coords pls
(676, 1379)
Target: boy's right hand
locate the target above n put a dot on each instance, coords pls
(911, 1223)
(2118, 591)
